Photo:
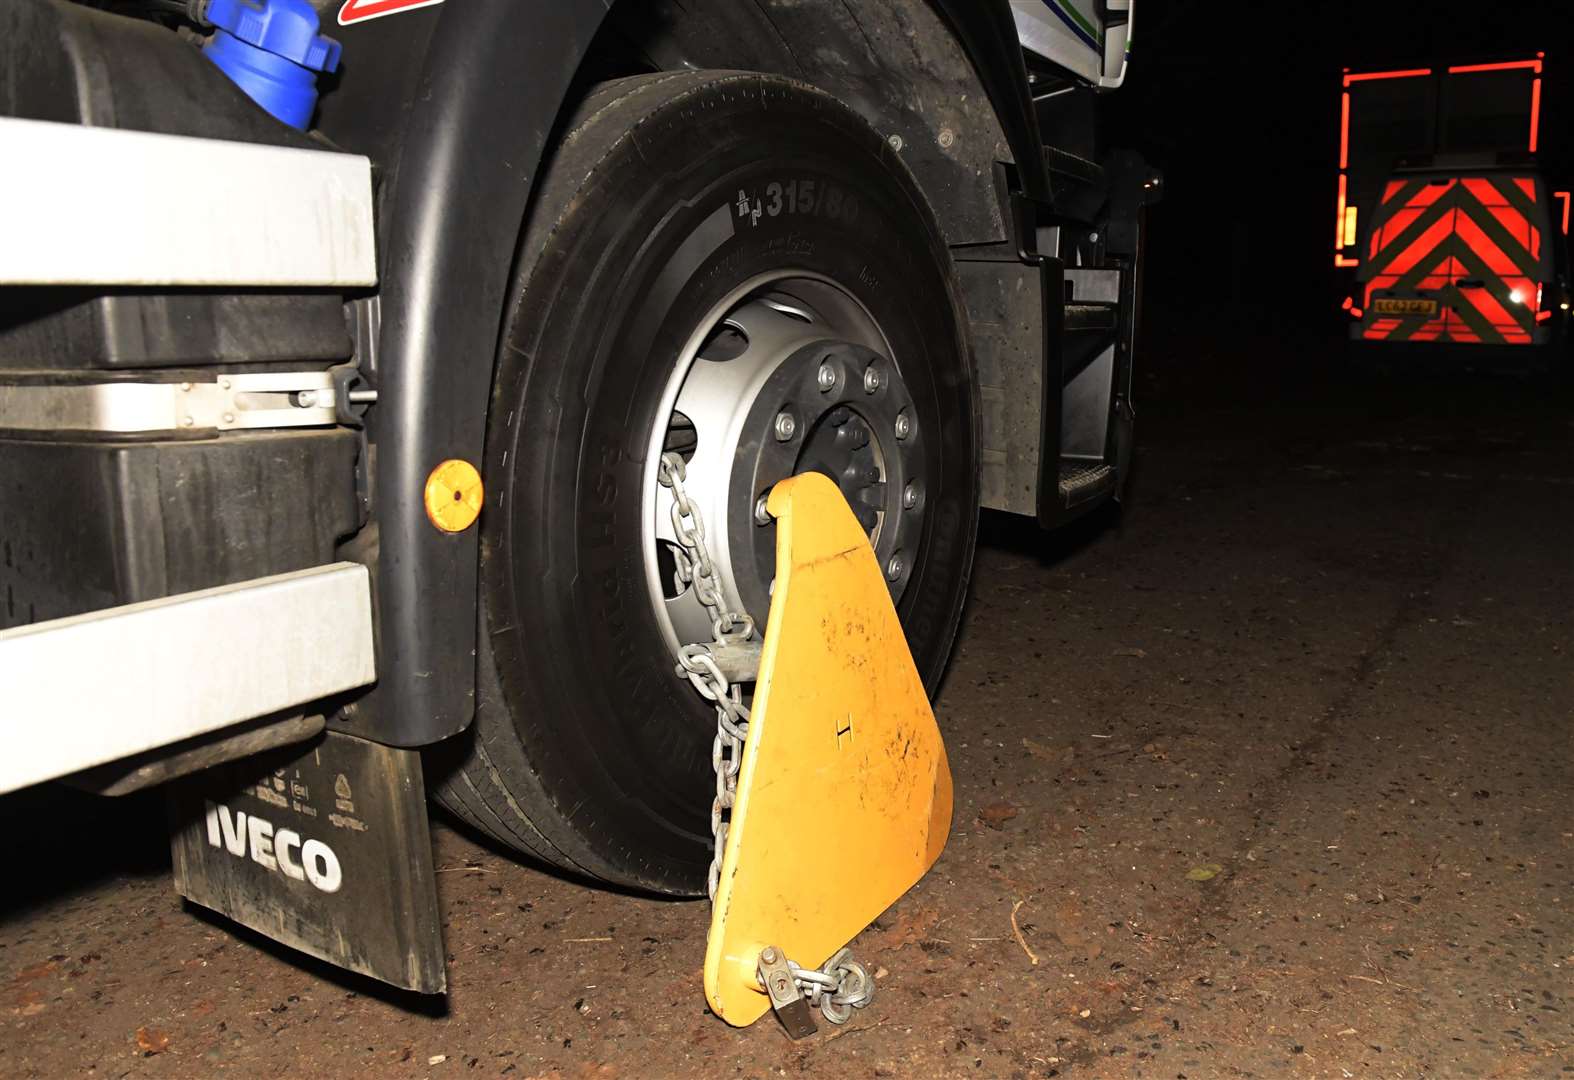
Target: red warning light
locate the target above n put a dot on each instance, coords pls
(1370, 76)
(1535, 109)
(1510, 65)
(1344, 130)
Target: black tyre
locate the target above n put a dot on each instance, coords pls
(669, 195)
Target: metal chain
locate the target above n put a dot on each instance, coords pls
(695, 662)
(696, 567)
(842, 984)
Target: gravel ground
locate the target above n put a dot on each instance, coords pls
(1273, 770)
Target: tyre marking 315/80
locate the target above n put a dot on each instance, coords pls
(796, 197)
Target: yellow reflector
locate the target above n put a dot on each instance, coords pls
(844, 795)
(453, 495)
(1350, 233)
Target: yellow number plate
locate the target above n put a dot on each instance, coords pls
(1408, 306)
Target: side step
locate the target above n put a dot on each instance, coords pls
(1080, 169)
(1084, 480)
(1090, 317)
(1096, 324)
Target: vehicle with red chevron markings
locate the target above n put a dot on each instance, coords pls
(1445, 214)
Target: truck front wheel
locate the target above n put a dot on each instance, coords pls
(735, 268)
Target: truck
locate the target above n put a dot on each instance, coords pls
(1449, 225)
(349, 351)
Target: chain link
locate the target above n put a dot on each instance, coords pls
(842, 984)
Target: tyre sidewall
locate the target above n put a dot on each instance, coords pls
(740, 177)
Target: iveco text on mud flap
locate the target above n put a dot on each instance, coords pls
(319, 850)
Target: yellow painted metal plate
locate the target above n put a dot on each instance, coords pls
(844, 796)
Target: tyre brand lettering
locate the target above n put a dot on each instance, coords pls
(279, 850)
(794, 244)
(796, 197)
(357, 11)
(598, 513)
(599, 527)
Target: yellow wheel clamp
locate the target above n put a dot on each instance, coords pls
(839, 713)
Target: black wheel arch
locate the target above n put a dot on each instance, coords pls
(458, 129)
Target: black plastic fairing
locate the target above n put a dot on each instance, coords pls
(989, 36)
(488, 94)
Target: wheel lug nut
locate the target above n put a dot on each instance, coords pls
(786, 426)
(872, 379)
(910, 496)
(896, 567)
(826, 378)
(762, 513)
(904, 425)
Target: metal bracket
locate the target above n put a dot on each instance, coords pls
(739, 661)
(352, 397)
(193, 755)
(270, 399)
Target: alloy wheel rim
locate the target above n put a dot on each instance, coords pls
(787, 374)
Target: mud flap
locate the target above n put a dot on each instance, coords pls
(326, 850)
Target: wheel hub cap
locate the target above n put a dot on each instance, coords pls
(789, 375)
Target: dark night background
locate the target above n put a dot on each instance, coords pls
(1238, 104)
(1262, 772)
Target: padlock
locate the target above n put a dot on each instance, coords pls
(791, 1007)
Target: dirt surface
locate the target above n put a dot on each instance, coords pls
(1274, 771)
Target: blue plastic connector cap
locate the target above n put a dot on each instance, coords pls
(272, 51)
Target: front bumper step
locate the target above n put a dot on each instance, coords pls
(94, 688)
